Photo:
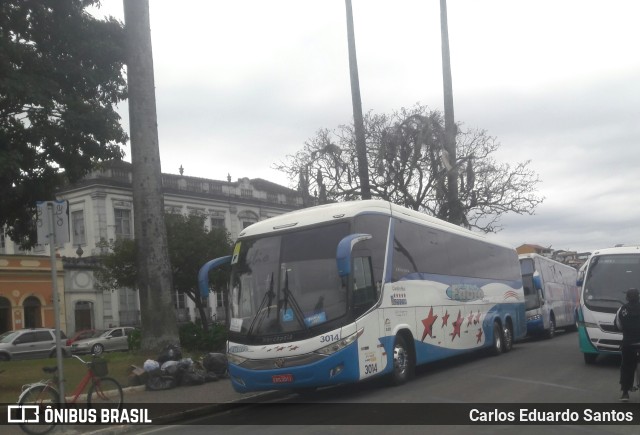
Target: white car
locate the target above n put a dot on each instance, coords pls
(103, 341)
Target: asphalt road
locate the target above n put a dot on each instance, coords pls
(534, 374)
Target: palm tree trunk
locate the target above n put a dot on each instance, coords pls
(361, 146)
(454, 208)
(155, 283)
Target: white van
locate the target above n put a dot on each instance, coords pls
(605, 279)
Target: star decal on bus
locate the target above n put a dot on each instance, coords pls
(470, 319)
(428, 324)
(477, 319)
(456, 326)
(445, 319)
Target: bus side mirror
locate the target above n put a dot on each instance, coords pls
(203, 273)
(343, 252)
(537, 281)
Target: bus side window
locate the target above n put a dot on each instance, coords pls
(364, 289)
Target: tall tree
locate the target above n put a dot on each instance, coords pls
(190, 246)
(453, 211)
(410, 166)
(159, 324)
(62, 75)
(361, 144)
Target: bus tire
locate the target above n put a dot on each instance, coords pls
(551, 332)
(497, 346)
(590, 358)
(403, 363)
(507, 334)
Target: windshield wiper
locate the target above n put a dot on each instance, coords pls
(267, 299)
(298, 314)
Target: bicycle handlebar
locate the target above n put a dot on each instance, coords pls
(81, 360)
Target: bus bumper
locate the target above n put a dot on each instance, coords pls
(535, 324)
(338, 368)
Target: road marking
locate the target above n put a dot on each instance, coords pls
(525, 381)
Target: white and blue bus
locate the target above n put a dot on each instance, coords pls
(551, 295)
(344, 292)
(605, 279)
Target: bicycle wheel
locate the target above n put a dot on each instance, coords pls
(41, 396)
(105, 393)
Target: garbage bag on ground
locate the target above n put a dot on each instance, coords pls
(170, 352)
(215, 363)
(193, 376)
(157, 381)
(170, 367)
(150, 365)
(185, 363)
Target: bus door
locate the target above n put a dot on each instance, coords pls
(365, 293)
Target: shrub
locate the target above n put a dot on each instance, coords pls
(195, 339)
(135, 340)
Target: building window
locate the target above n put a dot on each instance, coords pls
(179, 300)
(219, 299)
(123, 223)
(246, 193)
(217, 222)
(245, 224)
(272, 197)
(77, 225)
(2, 242)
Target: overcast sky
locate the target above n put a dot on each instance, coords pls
(242, 84)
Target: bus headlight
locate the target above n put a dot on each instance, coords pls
(340, 344)
(235, 359)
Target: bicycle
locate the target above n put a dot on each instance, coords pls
(104, 392)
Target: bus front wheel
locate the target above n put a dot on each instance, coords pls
(508, 338)
(497, 346)
(403, 364)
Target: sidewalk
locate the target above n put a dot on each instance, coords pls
(182, 402)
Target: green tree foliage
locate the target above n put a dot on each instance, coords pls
(62, 75)
(409, 165)
(190, 246)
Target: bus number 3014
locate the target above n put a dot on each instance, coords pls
(370, 369)
(329, 338)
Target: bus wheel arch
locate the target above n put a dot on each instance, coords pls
(403, 358)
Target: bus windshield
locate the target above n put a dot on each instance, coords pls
(608, 279)
(287, 283)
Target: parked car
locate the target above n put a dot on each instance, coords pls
(102, 341)
(81, 335)
(30, 343)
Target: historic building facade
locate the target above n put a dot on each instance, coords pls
(26, 290)
(101, 210)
